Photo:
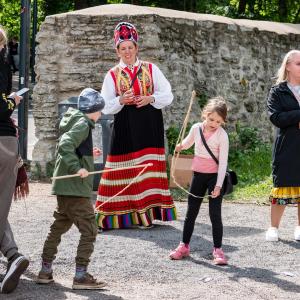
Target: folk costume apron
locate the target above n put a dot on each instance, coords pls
(137, 138)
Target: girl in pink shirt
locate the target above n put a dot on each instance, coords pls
(208, 176)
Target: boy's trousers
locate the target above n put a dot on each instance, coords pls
(72, 210)
(8, 177)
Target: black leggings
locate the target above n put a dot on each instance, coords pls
(200, 184)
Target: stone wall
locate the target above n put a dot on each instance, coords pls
(213, 55)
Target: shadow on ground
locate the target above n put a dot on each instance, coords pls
(294, 244)
(256, 274)
(167, 237)
(53, 291)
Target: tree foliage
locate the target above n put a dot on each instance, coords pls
(271, 10)
(10, 15)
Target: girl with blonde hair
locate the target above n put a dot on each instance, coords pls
(284, 111)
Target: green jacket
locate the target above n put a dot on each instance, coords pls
(74, 151)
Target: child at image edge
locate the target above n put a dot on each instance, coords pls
(75, 155)
(207, 175)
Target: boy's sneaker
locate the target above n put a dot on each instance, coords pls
(272, 234)
(297, 233)
(15, 268)
(87, 282)
(44, 277)
(219, 257)
(180, 252)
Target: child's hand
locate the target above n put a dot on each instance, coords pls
(178, 148)
(96, 151)
(83, 173)
(216, 192)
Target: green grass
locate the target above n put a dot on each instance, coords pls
(253, 193)
(252, 166)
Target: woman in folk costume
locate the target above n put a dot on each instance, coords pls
(135, 91)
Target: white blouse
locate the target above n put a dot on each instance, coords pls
(162, 91)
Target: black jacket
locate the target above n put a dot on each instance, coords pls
(284, 112)
(7, 106)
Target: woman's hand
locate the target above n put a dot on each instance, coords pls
(216, 192)
(141, 101)
(16, 98)
(127, 98)
(178, 147)
(96, 151)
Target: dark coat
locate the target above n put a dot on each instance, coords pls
(7, 105)
(284, 112)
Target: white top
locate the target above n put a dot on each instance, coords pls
(218, 143)
(162, 91)
(295, 90)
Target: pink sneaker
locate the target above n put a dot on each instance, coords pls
(219, 257)
(180, 252)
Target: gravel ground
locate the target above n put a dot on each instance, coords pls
(135, 262)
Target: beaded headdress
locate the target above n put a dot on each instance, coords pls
(125, 31)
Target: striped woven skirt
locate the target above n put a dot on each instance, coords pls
(137, 138)
(285, 195)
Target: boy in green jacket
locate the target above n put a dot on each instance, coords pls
(75, 155)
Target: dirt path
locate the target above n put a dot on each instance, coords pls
(135, 262)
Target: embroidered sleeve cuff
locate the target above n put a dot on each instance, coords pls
(11, 103)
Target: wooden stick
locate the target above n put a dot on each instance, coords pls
(120, 192)
(179, 141)
(104, 171)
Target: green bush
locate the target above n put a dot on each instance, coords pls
(172, 136)
(249, 156)
(202, 100)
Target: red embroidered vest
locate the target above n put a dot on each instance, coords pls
(143, 85)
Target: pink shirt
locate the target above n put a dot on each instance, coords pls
(219, 145)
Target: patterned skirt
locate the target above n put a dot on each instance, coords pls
(285, 195)
(138, 138)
